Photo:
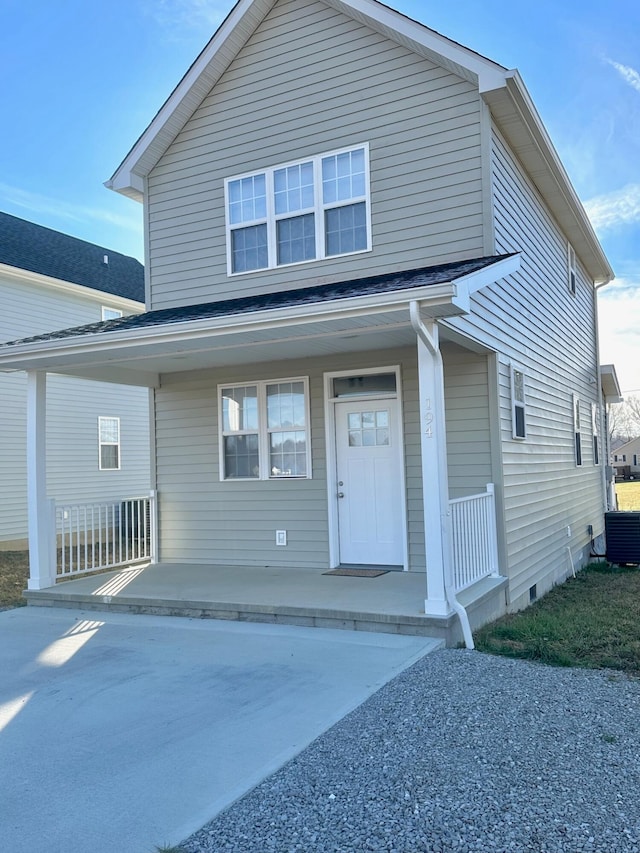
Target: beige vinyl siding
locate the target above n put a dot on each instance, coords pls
(312, 80)
(73, 407)
(32, 309)
(469, 458)
(532, 320)
(204, 520)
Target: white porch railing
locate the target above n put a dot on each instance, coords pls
(95, 536)
(474, 537)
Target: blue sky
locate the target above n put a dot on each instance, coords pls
(81, 81)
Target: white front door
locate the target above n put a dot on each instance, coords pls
(369, 482)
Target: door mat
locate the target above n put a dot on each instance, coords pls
(357, 573)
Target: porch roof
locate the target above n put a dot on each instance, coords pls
(352, 315)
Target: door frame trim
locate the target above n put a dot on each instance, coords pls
(331, 452)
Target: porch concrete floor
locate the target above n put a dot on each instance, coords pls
(391, 603)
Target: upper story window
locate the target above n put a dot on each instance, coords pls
(110, 313)
(572, 272)
(316, 208)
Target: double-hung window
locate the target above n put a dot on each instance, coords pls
(596, 433)
(572, 271)
(309, 210)
(265, 430)
(518, 420)
(109, 444)
(576, 429)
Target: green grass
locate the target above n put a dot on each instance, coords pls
(14, 573)
(592, 621)
(628, 495)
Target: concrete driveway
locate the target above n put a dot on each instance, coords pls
(120, 733)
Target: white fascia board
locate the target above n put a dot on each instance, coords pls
(101, 296)
(441, 294)
(471, 282)
(470, 65)
(226, 42)
(610, 384)
(127, 183)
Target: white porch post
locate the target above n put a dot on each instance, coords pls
(42, 568)
(435, 484)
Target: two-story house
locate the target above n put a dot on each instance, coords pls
(371, 313)
(97, 435)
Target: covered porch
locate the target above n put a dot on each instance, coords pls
(391, 323)
(389, 602)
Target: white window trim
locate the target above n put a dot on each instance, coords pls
(572, 270)
(518, 404)
(595, 422)
(102, 444)
(578, 453)
(263, 430)
(318, 210)
(115, 312)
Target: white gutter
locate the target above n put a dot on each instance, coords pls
(445, 518)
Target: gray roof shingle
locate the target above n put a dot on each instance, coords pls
(405, 280)
(41, 250)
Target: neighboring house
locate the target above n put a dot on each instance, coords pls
(48, 281)
(611, 394)
(626, 460)
(371, 293)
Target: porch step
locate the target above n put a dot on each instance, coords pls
(480, 600)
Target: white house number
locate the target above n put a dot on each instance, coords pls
(428, 419)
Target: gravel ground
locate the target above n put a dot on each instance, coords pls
(461, 752)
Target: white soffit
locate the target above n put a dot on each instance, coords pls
(610, 384)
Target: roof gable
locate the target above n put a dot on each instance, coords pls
(231, 37)
(34, 248)
(502, 90)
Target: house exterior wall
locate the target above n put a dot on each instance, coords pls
(308, 81)
(206, 520)
(468, 420)
(73, 407)
(311, 80)
(534, 322)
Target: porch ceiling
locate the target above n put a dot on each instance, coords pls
(141, 362)
(348, 317)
